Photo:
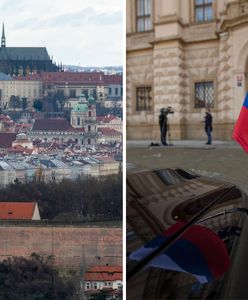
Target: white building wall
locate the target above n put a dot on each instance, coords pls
(24, 89)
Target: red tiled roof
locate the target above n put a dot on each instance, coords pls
(74, 77)
(23, 125)
(51, 125)
(105, 119)
(6, 139)
(104, 273)
(17, 210)
(114, 79)
(4, 118)
(20, 149)
(33, 77)
(109, 131)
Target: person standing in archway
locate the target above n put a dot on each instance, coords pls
(208, 126)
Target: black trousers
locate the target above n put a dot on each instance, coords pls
(163, 133)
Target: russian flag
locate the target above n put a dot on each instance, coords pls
(199, 251)
(240, 132)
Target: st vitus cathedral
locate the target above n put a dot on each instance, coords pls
(25, 60)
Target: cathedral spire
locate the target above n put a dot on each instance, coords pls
(3, 41)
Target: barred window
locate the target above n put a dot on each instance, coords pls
(203, 10)
(204, 94)
(143, 98)
(144, 20)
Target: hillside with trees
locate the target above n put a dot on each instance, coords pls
(33, 278)
(86, 199)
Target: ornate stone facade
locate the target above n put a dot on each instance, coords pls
(178, 53)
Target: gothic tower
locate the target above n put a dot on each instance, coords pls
(3, 40)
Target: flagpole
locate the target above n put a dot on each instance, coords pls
(145, 261)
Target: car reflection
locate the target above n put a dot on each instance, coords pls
(156, 200)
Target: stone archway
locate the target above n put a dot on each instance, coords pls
(243, 57)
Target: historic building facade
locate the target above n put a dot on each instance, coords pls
(20, 88)
(82, 130)
(71, 85)
(64, 85)
(190, 55)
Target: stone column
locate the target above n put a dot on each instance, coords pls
(169, 86)
(225, 87)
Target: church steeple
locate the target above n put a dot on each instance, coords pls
(3, 41)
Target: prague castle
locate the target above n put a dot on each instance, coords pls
(16, 61)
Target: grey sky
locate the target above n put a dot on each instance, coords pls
(85, 32)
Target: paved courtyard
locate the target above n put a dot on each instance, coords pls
(225, 160)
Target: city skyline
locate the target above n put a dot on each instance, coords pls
(85, 28)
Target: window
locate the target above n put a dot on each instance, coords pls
(87, 285)
(144, 22)
(116, 91)
(204, 94)
(78, 121)
(89, 113)
(94, 93)
(89, 128)
(143, 98)
(60, 93)
(72, 93)
(86, 93)
(95, 285)
(203, 10)
(110, 91)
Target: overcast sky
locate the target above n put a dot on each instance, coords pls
(80, 32)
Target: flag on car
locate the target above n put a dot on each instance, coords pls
(240, 132)
(198, 251)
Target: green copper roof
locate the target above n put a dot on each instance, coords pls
(80, 107)
(91, 100)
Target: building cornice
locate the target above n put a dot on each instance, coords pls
(140, 34)
(169, 19)
(182, 40)
(148, 48)
(232, 23)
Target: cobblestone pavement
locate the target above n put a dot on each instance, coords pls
(221, 160)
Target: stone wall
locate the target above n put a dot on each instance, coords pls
(70, 246)
(139, 73)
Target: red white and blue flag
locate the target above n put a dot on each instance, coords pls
(198, 251)
(240, 132)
